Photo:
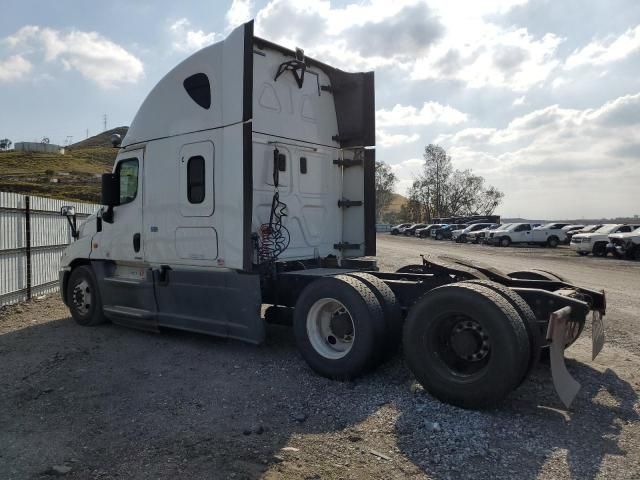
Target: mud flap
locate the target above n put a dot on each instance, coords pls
(566, 386)
(597, 333)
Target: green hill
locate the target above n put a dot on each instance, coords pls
(72, 176)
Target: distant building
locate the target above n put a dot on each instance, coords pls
(38, 147)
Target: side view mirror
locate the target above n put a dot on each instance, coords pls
(110, 195)
(70, 213)
(110, 189)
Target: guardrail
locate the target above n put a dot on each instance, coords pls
(32, 237)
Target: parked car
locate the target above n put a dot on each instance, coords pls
(550, 234)
(596, 242)
(425, 231)
(570, 228)
(444, 232)
(512, 233)
(462, 237)
(411, 230)
(625, 244)
(479, 236)
(586, 229)
(398, 229)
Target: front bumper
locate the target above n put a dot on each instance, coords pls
(582, 247)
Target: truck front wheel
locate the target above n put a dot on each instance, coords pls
(83, 297)
(552, 242)
(505, 241)
(339, 327)
(467, 345)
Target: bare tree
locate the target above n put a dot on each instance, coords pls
(385, 182)
(5, 144)
(441, 191)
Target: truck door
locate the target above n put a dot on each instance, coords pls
(522, 233)
(121, 241)
(125, 281)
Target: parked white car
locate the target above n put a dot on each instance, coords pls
(596, 242)
(550, 234)
(625, 244)
(479, 236)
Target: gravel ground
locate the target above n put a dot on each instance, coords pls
(109, 402)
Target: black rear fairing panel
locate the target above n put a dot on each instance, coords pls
(354, 100)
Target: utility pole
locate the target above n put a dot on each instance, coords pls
(104, 122)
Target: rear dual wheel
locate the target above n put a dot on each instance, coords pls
(467, 345)
(340, 326)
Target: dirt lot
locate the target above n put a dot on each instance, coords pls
(109, 402)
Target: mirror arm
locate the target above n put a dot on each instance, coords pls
(107, 215)
(73, 224)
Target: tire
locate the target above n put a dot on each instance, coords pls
(535, 274)
(439, 236)
(636, 254)
(528, 317)
(505, 241)
(332, 357)
(390, 308)
(600, 249)
(583, 254)
(394, 232)
(83, 297)
(482, 379)
(552, 242)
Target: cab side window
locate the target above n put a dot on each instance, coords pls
(196, 179)
(128, 172)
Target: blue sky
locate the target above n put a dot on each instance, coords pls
(541, 97)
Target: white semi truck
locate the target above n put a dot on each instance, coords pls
(247, 179)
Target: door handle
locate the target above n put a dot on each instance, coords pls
(136, 242)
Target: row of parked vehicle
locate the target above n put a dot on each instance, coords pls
(621, 240)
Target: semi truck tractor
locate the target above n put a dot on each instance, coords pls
(243, 194)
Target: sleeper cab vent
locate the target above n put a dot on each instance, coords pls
(199, 89)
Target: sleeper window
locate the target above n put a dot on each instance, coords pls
(128, 172)
(303, 165)
(195, 179)
(199, 89)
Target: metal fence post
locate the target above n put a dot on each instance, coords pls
(27, 228)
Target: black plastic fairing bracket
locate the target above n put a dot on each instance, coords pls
(296, 67)
(348, 162)
(344, 203)
(326, 88)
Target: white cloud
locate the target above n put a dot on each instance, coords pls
(591, 153)
(608, 50)
(14, 68)
(488, 55)
(408, 115)
(89, 53)
(186, 39)
(384, 139)
(519, 101)
(238, 13)
(406, 171)
(410, 36)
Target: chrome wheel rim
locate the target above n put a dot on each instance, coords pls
(82, 297)
(330, 328)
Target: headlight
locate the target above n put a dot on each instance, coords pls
(586, 240)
